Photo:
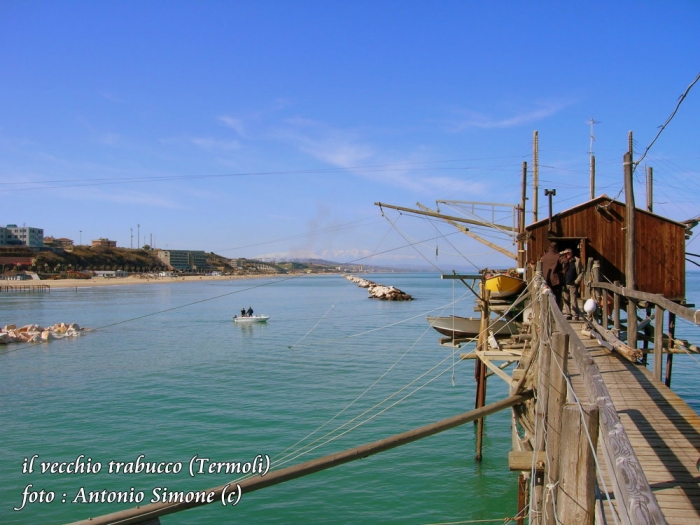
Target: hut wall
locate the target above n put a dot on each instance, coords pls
(660, 244)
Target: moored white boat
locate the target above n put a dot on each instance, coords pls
(463, 327)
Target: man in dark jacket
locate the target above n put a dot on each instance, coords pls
(552, 271)
(572, 276)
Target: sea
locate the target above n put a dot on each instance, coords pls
(164, 379)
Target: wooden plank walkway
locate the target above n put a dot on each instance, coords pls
(663, 430)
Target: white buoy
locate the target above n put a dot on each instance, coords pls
(590, 306)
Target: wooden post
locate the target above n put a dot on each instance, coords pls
(669, 357)
(544, 363)
(616, 310)
(658, 341)
(647, 336)
(606, 310)
(522, 263)
(535, 175)
(481, 380)
(630, 254)
(631, 323)
(595, 278)
(576, 496)
(588, 293)
(522, 499)
(555, 400)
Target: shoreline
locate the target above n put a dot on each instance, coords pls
(122, 281)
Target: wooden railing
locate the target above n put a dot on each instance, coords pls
(636, 503)
(634, 298)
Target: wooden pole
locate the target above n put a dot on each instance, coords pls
(521, 220)
(576, 495)
(556, 399)
(658, 341)
(535, 174)
(647, 336)
(606, 310)
(595, 278)
(631, 323)
(153, 510)
(544, 363)
(630, 255)
(616, 310)
(522, 499)
(481, 382)
(669, 357)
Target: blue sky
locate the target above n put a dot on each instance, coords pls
(269, 129)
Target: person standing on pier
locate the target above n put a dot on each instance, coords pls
(552, 271)
(572, 276)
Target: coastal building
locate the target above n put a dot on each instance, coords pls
(13, 235)
(106, 243)
(187, 260)
(62, 242)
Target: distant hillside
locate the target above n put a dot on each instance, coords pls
(88, 258)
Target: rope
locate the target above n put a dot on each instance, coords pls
(370, 418)
(588, 436)
(358, 334)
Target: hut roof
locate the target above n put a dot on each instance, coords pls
(602, 200)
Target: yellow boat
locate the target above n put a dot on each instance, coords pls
(503, 285)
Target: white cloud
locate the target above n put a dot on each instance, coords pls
(109, 139)
(340, 148)
(210, 144)
(349, 150)
(138, 198)
(234, 123)
(472, 119)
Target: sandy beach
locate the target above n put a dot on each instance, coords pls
(119, 281)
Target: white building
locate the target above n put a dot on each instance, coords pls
(13, 235)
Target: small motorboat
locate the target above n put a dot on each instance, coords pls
(465, 327)
(250, 318)
(503, 285)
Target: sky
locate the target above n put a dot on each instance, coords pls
(268, 129)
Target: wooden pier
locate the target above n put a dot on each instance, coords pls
(604, 440)
(25, 288)
(662, 429)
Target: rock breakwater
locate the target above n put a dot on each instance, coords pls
(33, 333)
(379, 291)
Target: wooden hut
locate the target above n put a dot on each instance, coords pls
(596, 229)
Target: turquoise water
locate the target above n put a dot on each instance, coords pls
(169, 375)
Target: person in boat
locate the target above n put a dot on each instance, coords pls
(250, 311)
(552, 271)
(242, 312)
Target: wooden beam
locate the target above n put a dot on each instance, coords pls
(575, 503)
(153, 510)
(525, 460)
(473, 235)
(631, 354)
(444, 217)
(681, 311)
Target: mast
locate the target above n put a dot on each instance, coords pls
(535, 174)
